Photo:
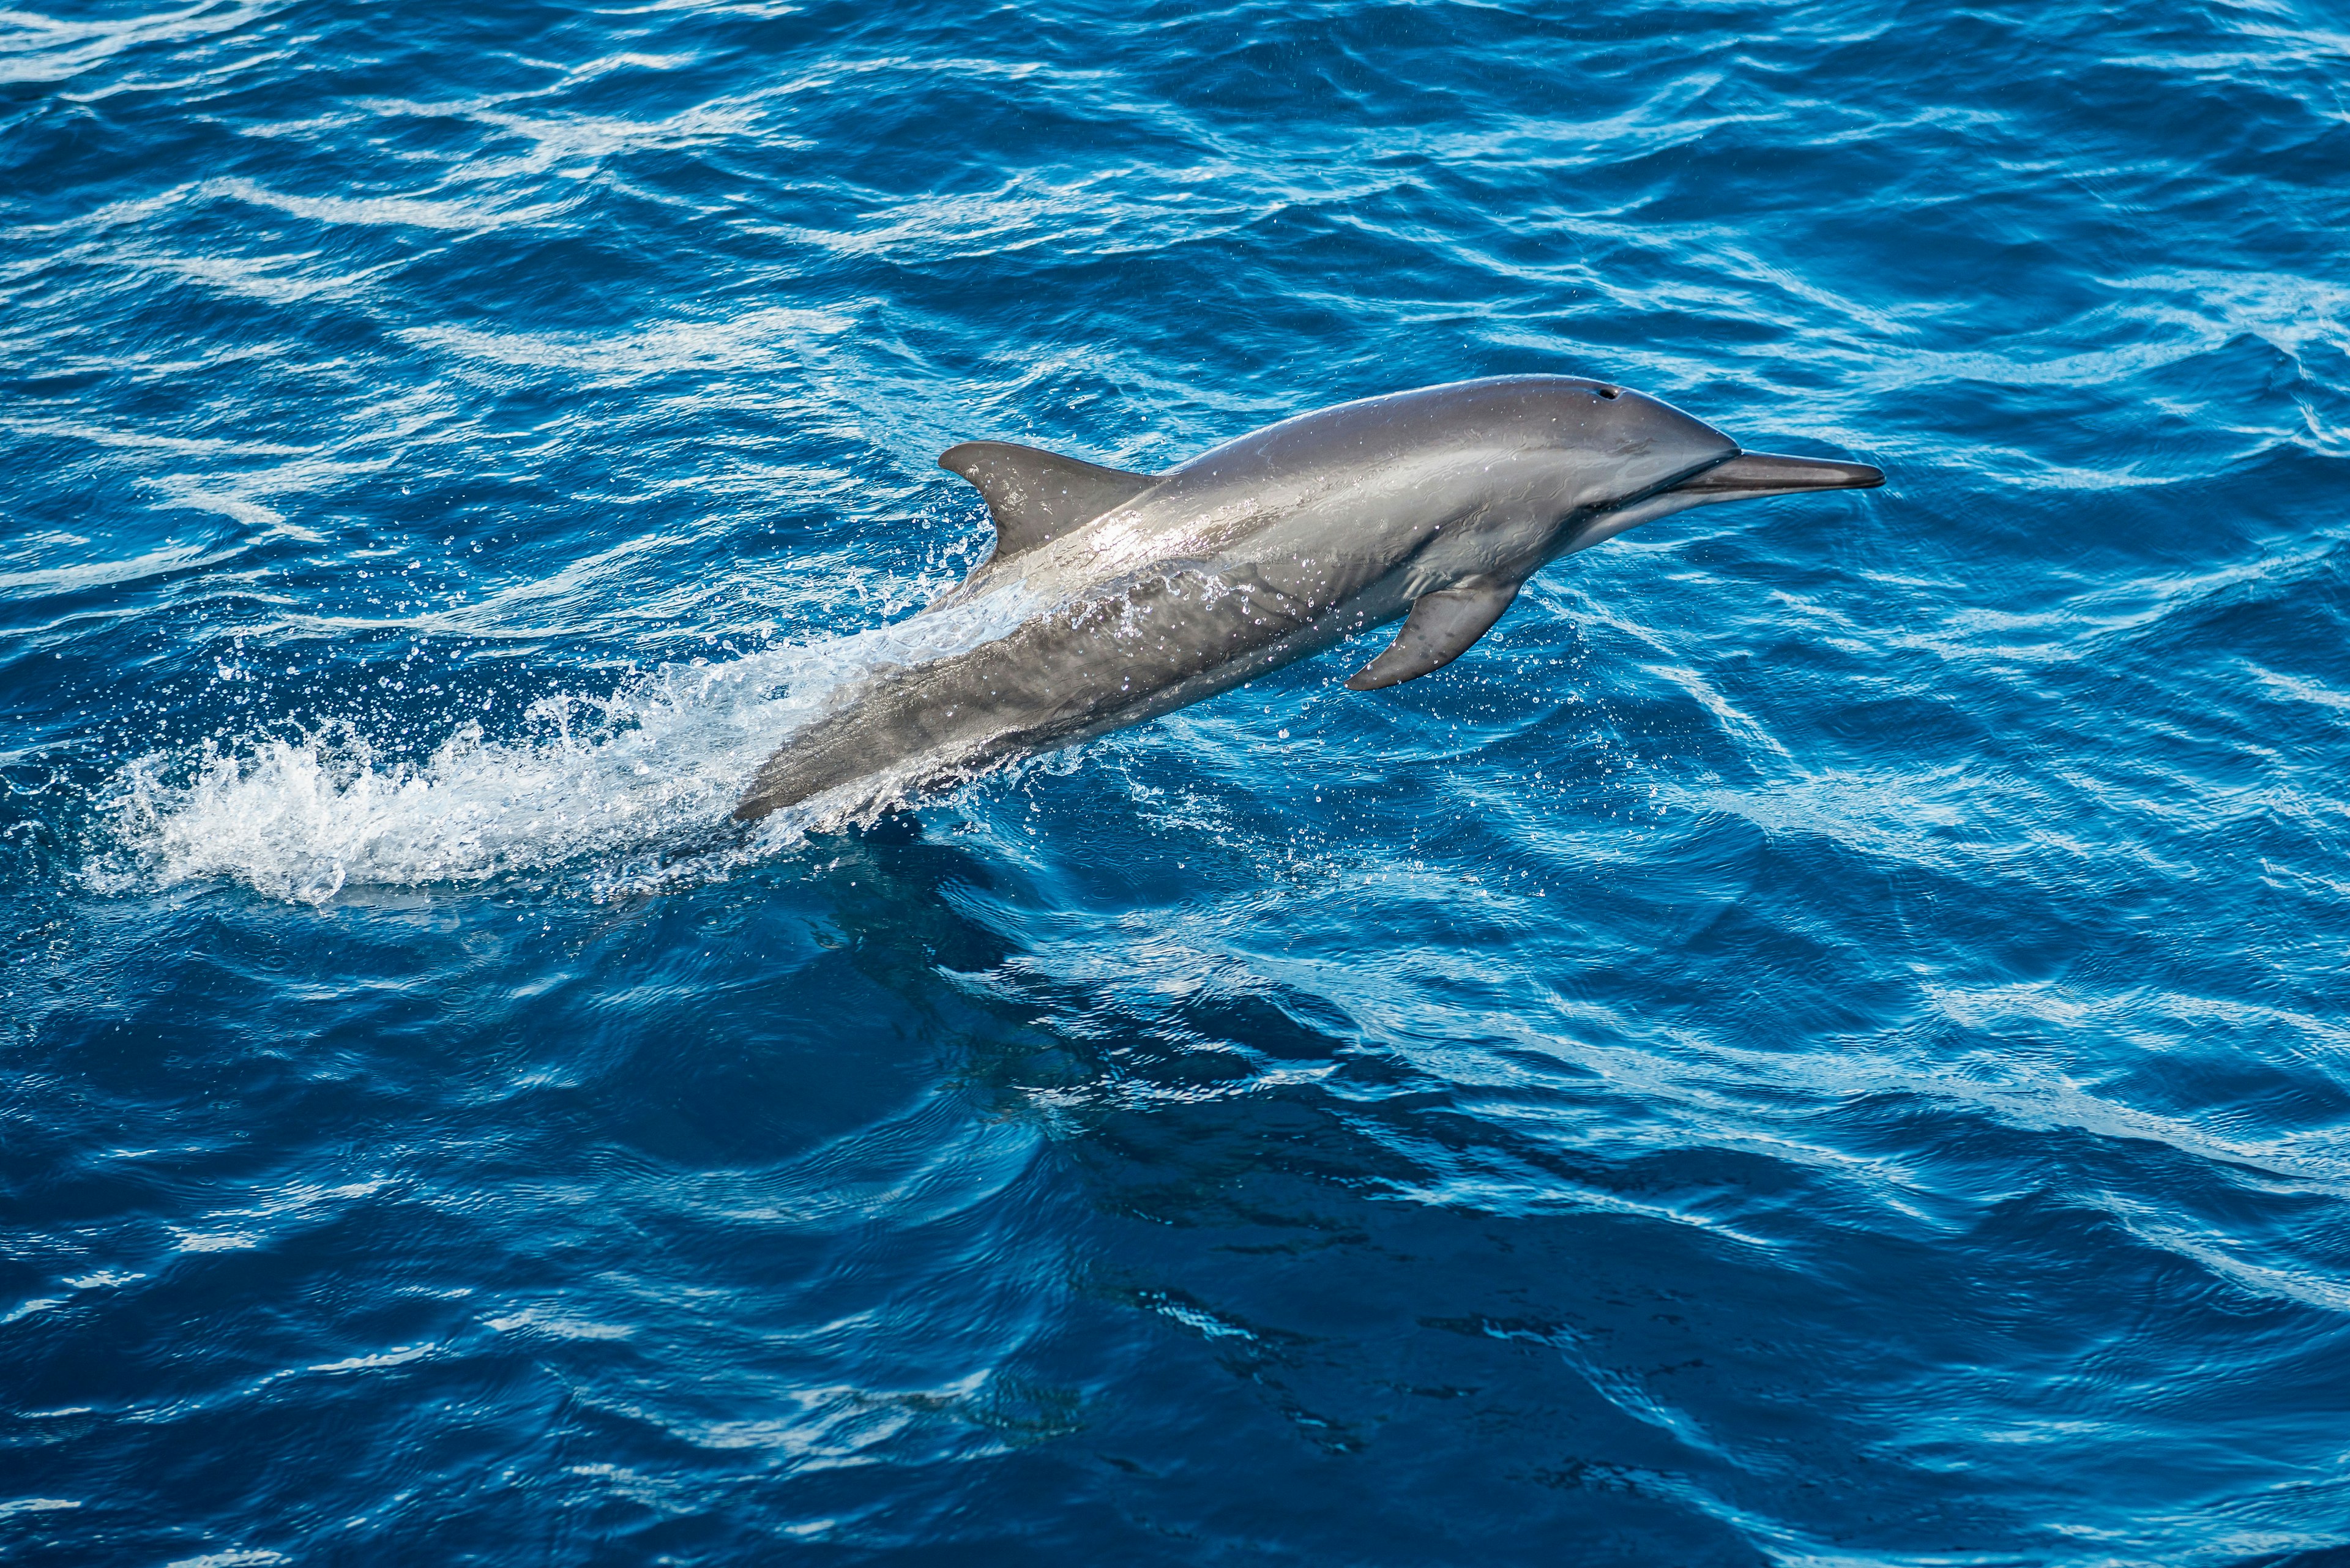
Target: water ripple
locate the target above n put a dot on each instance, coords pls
(1818, 1042)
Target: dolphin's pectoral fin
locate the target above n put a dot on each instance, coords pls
(1443, 626)
(1038, 497)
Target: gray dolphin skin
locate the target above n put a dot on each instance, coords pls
(1144, 593)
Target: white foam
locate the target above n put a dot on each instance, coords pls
(633, 790)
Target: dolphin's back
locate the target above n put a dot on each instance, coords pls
(1372, 433)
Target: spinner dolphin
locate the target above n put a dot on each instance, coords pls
(1147, 592)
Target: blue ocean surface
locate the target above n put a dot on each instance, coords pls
(1822, 1041)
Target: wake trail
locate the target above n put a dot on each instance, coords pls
(631, 792)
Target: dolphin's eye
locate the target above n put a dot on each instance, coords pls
(1609, 391)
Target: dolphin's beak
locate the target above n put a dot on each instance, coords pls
(1753, 474)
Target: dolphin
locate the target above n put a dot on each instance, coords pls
(1142, 593)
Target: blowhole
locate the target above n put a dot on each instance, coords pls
(1609, 391)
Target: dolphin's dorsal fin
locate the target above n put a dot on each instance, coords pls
(1036, 497)
(1443, 626)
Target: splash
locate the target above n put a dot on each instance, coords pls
(635, 790)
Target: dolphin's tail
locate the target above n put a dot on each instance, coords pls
(897, 733)
(846, 746)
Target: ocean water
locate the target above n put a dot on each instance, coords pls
(1821, 1042)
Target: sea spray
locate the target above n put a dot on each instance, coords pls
(619, 788)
